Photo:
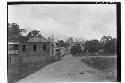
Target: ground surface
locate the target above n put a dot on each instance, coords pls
(106, 64)
(69, 69)
(16, 73)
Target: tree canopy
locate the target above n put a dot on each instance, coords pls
(92, 46)
(32, 34)
(14, 33)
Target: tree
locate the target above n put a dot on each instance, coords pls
(51, 38)
(78, 40)
(69, 40)
(13, 29)
(61, 43)
(75, 49)
(92, 46)
(105, 39)
(32, 34)
(17, 38)
(111, 46)
(14, 33)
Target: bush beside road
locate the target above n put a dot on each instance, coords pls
(20, 72)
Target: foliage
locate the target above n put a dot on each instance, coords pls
(75, 49)
(107, 45)
(16, 38)
(14, 33)
(105, 39)
(69, 40)
(61, 43)
(13, 29)
(108, 65)
(32, 34)
(92, 46)
(111, 46)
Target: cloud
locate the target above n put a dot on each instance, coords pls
(78, 20)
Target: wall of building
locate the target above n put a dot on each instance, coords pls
(30, 51)
(13, 60)
(12, 54)
(62, 51)
(31, 56)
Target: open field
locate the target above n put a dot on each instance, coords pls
(107, 65)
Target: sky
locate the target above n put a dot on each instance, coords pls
(83, 21)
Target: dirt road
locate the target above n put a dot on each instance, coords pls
(69, 69)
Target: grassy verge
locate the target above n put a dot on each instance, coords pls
(20, 72)
(108, 65)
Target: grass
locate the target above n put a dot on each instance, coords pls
(20, 72)
(107, 65)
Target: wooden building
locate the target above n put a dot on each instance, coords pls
(35, 50)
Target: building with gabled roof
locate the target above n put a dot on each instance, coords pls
(37, 49)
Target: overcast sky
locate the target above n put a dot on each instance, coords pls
(85, 21)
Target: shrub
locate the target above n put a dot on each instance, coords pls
(75, 49)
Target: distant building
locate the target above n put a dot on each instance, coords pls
(81, 44)
(62, 51)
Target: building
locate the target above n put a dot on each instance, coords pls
(13, 48)
(81, 44)
(36, 50)
(62, 51)
(13, 53)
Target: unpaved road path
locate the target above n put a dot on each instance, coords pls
(69, 69)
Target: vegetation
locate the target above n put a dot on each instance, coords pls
(75, 49)
(107, 44)
(92, 46)
(15, 33)
(69, 40)
(111, 46)
(31, 34)
(107, 65)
